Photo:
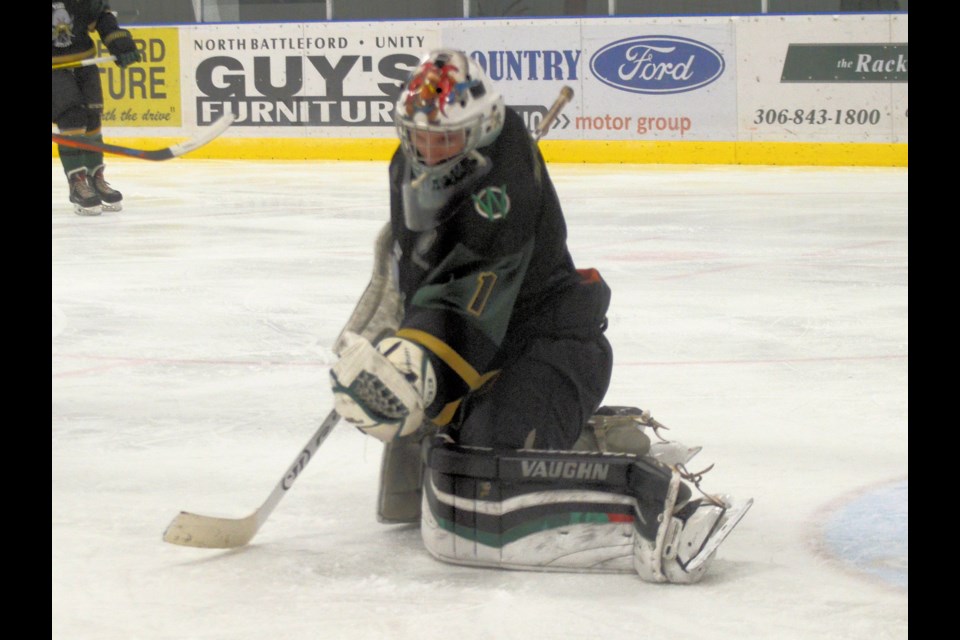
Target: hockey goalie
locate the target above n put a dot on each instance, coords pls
(480, 360)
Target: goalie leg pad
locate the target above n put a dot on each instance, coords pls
(537, 510)
(620, 429)
(568, 511)
(614, 430)
(399, 494)
(686, 541)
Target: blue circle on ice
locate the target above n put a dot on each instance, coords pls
(869, 533)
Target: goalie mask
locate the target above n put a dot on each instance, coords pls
(447, 109)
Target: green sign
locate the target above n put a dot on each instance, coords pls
(845, 63)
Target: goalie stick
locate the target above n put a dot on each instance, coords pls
(375, 313)
(192, 530)
(219, 126)
(566, 94)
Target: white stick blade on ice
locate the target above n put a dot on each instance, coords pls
(192, 530)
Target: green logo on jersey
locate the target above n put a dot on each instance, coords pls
(492, 203)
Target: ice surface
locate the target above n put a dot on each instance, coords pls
(760, 312)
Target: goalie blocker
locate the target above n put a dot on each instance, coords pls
(569, 511)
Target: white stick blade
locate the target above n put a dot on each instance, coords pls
(192, 530)
(215, 129)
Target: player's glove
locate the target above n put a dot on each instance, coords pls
(383, 391)
(120, 44)
(128, 58)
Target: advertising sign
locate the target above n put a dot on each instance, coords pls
(146, 94)
(659, 80)
(810, 78)
(721, 79)
(317, 79)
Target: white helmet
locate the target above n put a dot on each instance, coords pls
(447, 109)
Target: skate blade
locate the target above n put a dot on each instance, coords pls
(86, 211)
(732, 517)
(112, 206)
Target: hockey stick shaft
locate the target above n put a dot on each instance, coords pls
(213, 131)
(371, 319)
(85, 63)
(192, 530)
(566, 94)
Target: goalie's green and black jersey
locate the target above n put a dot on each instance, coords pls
(73, 22)
(495, 274)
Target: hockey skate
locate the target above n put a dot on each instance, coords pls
(705, 526)
(111, 198)
(86, 201)
(685, 541)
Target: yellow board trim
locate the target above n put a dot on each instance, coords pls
(558, 151)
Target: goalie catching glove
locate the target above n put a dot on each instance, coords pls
(383, 391)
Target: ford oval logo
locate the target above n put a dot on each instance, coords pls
(657, 64)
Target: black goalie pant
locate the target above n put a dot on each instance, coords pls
(548, 394)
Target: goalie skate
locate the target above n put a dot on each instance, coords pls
(728, 519)
(685, 543)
